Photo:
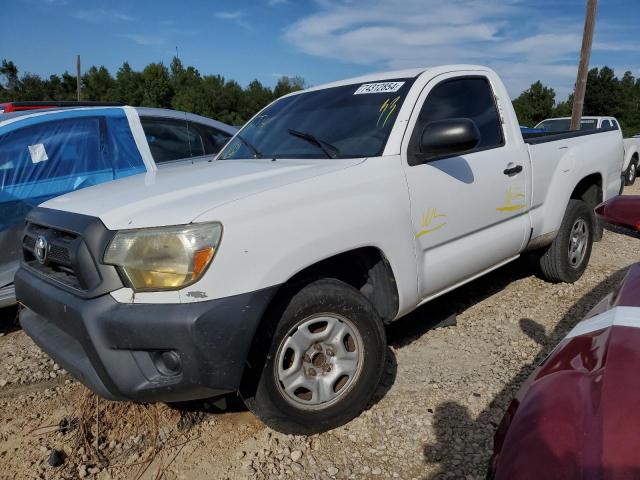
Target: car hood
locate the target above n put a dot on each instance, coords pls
(178, 194)
(576, 417)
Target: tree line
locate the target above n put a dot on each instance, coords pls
(606, 95)
(156, 85)
(214, 96)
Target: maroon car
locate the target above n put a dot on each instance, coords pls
(578, 414)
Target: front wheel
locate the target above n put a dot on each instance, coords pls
(325, 361)
(568, 256)
(631, 174)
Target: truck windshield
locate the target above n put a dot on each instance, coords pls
(351, 121)
(564, 125)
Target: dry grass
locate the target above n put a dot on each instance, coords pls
(129, 440)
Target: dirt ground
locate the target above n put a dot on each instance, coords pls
(445, 389)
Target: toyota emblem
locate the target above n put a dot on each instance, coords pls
(41, 249)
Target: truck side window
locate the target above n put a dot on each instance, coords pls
(171, 139)
(470, 97)
(615, 124)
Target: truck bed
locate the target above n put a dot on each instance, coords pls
(558, 159)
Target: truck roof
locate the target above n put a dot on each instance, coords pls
(394, 74)
(584, 117)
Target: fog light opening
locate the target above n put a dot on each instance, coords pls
(168, 362)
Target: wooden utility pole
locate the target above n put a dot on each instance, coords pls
(78, 76)
(583, 68)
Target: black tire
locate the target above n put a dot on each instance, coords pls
(631, 174)
(267, 398)
(555, 263)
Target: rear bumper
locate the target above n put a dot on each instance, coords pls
(116, 349)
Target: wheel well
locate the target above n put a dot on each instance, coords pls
(635, 157)
(589, 190)
(365, 269)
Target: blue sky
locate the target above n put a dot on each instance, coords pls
(322, 40)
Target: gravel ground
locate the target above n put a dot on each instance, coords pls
(453, 366)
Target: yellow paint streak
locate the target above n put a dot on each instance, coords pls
(509, 206)
(428, 231)
(389, 107)
(427, 221)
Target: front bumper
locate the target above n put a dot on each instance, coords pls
(116, 349)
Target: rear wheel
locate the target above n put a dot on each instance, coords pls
(631, 174)
(568, 256)
(325, 361)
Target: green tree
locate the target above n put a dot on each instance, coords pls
(229, 103)
(9, 71)
(128, 87)
(157, 91)
(255, 98)
(603, 95)
(187, 87)
(179, 87)
(287, 85)
(96, 83)
(563, 109)
(630, 97)
(210, 96)
(31, 88)
(534, 104)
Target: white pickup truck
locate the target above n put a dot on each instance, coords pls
(272, 270)
(631, 159)
(631, 145)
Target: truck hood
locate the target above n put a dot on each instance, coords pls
(178, 194)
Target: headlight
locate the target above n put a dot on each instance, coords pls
(164, 258)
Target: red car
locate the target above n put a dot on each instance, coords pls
(578, 414)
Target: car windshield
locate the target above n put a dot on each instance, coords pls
(564, 125)
(351, 121)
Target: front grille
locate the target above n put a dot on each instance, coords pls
(58, 264)
(76, 247)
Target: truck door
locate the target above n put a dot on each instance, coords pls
(469, 211)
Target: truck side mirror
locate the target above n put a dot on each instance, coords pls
(621, 215)
(448, 137)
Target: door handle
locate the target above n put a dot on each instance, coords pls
(512, 170)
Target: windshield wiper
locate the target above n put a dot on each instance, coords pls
(256, 152)
(329, 150)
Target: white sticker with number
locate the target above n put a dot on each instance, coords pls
(382, 87)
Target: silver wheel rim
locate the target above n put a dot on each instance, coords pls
(632, 172)
(578, 242)
(319, 361)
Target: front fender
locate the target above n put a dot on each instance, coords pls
(271, 236)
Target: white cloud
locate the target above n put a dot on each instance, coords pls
(236, 16)
(100, 15)
(146, 40)
(522, 43)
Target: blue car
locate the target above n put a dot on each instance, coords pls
(528, 130)
(46, 153)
